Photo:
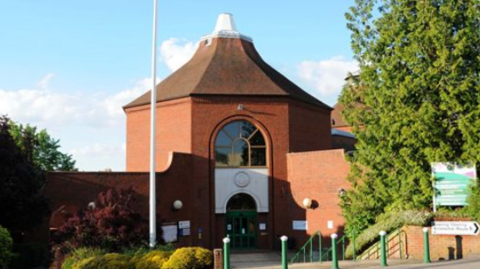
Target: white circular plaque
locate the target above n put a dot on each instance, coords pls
(241, 179)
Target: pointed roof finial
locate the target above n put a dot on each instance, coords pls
(225, 28)
(225, 23)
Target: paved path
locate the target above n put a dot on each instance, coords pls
(272, 260)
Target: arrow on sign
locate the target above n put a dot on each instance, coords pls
(455, 227)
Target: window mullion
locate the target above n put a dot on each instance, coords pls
(254, 132)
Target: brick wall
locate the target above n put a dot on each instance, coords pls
(318, 175)
(173, 133)
(70, 191)
(442, 247)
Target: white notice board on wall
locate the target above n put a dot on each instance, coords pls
(300, 225)
(170, 232)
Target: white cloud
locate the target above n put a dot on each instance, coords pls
(99, 153)
(43, 83)
(326, 76)
(176, 52)
(91, 127)
(53, 109)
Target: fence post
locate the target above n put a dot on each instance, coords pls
(426, 246)
(284, 252)
(334, 251)
(383, 253)
(226, 253)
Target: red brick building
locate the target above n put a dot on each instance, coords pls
(240, 146)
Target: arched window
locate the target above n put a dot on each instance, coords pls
(241, 201)
(240, 144)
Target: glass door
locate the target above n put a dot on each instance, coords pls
(241, 227)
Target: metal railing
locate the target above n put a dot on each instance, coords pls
(307, 250)
(374, 250)
(343, 242)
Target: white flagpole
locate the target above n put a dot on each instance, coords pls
(153, 104)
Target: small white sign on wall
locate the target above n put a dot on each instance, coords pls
(330, 224)
(300, 225)
(184, 224)
(262, 227)
(455, 227)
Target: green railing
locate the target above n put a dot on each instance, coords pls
(374, 250)
(343, 243)
(306, 253)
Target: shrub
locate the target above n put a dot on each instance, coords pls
(110, 225)
(473, 207)
(190, 258)
(107, 261)
(152, 260)
(5, 248)
(81, 254)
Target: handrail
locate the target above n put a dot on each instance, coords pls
(376, 247)
(342, 241)
(323, 255)
(309, 246)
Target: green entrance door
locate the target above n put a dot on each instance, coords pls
(241, 228)
(241, 221)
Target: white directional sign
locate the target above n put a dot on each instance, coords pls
(455, 227)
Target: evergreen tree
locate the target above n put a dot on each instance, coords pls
(21, 206)
(416, 100)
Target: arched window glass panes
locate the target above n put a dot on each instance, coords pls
(240, 144)
(241, 201)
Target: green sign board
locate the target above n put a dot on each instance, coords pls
(451, 183)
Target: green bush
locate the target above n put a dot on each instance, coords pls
(190, 258)
(473, 207)
(5, 248)
(81, 254)
(107, 261)
(152, 260)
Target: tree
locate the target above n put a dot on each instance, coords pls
(21, 206)
(419, 93)
(41, 148)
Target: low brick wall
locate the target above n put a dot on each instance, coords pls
(442, 247)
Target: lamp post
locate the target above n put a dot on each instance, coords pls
(153, 103)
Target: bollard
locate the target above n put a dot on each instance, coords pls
(426, 246)
(383, 253)
(284, 252)
(226, 253)
(334, 251)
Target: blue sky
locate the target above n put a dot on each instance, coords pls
(69, 66)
